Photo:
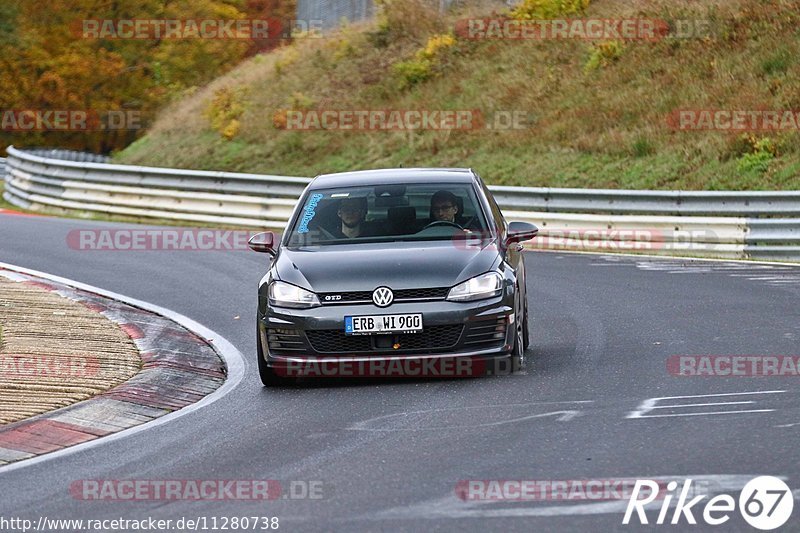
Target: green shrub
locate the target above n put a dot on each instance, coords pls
(289, 56)
(548, 9)
(422, 66)
(413, 71)
(777, 63)
(603, 54)
(643, 147)
(299, 100)
(225, 109)
(759, 159)
(755, 162)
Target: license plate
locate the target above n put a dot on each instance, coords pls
(365, 325)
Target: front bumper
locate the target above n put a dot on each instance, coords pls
(477, 331)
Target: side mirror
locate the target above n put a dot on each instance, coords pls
(262, 242)
(520, 231)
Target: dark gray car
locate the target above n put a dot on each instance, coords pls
(401, 272)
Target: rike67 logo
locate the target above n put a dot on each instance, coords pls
(765, 503)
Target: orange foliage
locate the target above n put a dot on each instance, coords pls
(46, 63)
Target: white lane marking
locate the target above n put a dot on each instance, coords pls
(233, 360)
(707, 413)
(369, 424)
(701, 404)
(729, 262)
(764, 277)
(651, 404)
(451, 506)
(698, 265)
(779, 275)
(564, 417)
(722, 394)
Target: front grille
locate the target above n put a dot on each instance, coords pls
(284, 340)
(432, 338)
(486, 333)
(417, 294)
(400, 295)
(335, 341)
(344, 297)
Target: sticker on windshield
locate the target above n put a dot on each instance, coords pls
(310, 212)
(340, 195)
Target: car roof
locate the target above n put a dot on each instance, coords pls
(393, 175)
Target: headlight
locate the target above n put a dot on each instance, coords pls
(283, 294)
(477, 288)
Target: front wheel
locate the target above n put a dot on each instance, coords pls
(269, 378)
(518, 351)
(526, 331)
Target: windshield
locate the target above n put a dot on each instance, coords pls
(385, 213)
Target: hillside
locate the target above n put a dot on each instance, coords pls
(591, 114)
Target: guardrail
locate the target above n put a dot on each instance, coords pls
(715, 224)
(678, 203)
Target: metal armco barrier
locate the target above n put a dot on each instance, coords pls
(758, 225)
(626, 202)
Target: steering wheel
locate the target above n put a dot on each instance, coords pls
(442, 223)
(326, 233)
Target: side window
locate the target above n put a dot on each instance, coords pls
(496, 213)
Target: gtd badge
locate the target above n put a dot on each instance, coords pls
(383, 297)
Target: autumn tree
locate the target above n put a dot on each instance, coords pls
(47, 61)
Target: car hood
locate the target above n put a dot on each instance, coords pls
(398, 265)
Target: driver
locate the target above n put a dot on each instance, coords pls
(444, 207)
(351, 213)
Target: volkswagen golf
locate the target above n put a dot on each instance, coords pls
(401, 272)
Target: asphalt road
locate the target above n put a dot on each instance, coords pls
(603, 328)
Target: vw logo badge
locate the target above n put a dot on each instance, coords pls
(382, 296)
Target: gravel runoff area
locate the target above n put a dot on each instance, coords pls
(55, 351)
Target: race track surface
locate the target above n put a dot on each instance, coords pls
(603, 328)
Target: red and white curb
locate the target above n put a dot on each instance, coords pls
(185, 366)
(17, 213)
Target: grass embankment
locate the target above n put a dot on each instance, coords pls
(596, 112)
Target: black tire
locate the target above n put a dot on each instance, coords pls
(526, 331)
(518, 351)
(268, 376)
